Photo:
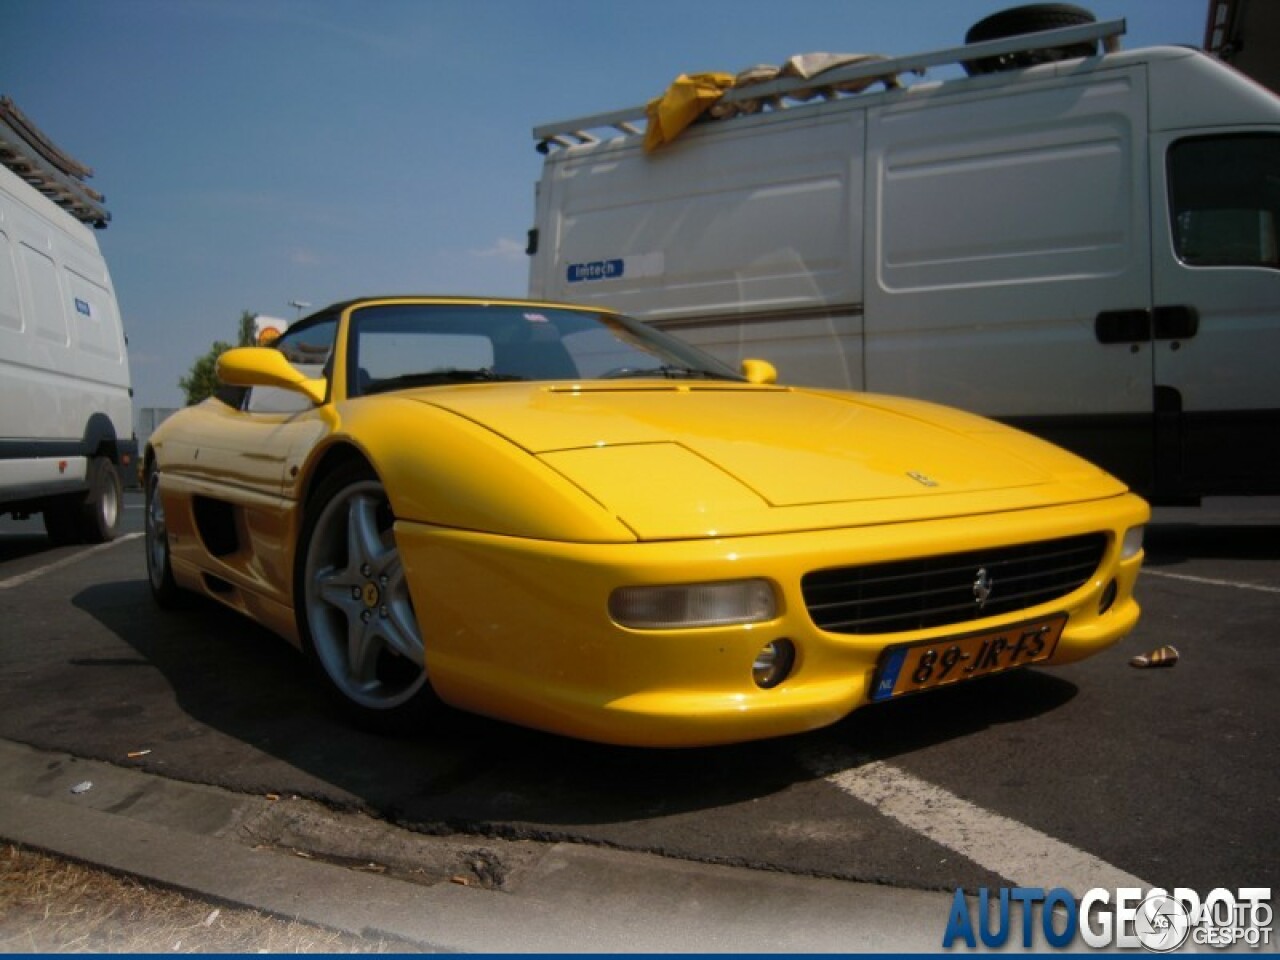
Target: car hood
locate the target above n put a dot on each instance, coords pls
(719, 459)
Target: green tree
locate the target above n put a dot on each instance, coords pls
(201, 381)
(248, 330)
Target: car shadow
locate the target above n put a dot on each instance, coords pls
(1173, 543)
(466, 773)
(904, 726)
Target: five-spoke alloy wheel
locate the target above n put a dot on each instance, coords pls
(355, 615)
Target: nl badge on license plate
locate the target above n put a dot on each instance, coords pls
(923, 666)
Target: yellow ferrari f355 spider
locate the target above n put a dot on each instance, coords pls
(563, 518)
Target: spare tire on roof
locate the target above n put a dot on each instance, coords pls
(1032, 18)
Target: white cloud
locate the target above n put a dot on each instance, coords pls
(305, 258)
(503, 249)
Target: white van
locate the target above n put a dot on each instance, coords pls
(1086, 247)
(66, 422)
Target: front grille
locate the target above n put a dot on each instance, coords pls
(935, 591)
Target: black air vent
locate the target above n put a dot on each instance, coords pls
(936, 591)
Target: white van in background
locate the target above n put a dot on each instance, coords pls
(1087, 247)
(66, 422)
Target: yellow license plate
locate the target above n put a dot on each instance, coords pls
(923, 666)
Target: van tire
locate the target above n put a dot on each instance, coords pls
(99, 515)
(89, 517)
(1032, 18)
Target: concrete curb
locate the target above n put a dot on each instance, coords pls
(565, 898)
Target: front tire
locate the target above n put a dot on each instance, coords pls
(354, 613)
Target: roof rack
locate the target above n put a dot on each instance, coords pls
(567, 133)
(35, 158)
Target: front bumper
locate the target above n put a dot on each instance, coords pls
(519, 629)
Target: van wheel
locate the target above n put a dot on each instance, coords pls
(1032, 18)
(99, 514)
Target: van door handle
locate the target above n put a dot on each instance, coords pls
(1123, 326)
(1176, 323)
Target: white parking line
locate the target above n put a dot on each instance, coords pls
(30, 575)
(1022, 855)
(1261, 588)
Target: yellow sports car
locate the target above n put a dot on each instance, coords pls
(563, 518)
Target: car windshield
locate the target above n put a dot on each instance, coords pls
(397, 346)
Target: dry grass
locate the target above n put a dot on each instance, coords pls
(49, 905)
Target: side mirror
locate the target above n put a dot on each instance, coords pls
(759, 371)
(264, 367)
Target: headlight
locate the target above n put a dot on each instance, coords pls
(1132, 544)
(693, 604)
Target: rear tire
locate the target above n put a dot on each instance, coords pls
(99, 518)
(164, 588)
(1032, 18)
(90, 517)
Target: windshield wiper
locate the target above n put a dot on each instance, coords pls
(437, 377)
(668, 371)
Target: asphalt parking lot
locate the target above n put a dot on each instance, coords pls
(1097, 774)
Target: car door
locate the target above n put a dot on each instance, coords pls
(250, 445)
(241, 466)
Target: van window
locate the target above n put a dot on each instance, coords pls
(1224, 197)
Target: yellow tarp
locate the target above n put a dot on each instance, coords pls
(688, 97)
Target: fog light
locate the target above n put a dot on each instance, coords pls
(693, 605)
(1132, 544)
(773, 663)
(1108, 598)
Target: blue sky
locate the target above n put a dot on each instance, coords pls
(255, 152)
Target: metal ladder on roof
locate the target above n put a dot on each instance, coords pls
(35, 158)
(567, 133)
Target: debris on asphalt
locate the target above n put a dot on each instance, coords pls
(1165, 656)
(84, 786)
(137, 754)
(209, 920)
